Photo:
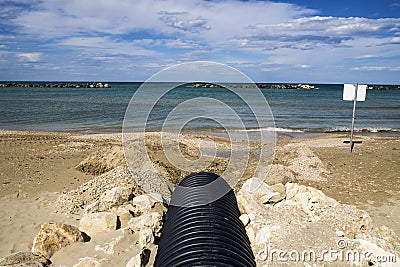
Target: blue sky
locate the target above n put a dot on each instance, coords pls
(317, 41)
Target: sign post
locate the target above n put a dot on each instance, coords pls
(354, 93)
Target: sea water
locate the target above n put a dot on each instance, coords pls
(93, 110)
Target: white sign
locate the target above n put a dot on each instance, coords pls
(349, 92)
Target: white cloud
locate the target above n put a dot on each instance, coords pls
(366, 57)
(220, 19)
(29, 57)
(376, 68)
(310, 32)
(185, 24)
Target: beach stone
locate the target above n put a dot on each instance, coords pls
(94, 223)
(280, 188)
(252, 189)
(140, 259)
(27, 259)
(144, 203)
(271, 198)
(93, 207)
(245, 219)
(114, 197)
(151, 220)
(124, 215)
(146, 237)
(54, 236)
(291, 190)
(250, 233)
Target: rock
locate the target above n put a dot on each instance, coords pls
(94, 223)
(139, 260)
(291, 190)
(245, 219)
(111, 198)
(271, 198)
(254, 186)
(124, 215)
(250, 233)
(280, 188)
(373, 252)
(144, 204)
(26, 259)
(146, 237)
(93, 207)
(302, 200)
(74, 201)
(252, 189)
(54, 236)
(151, 220)
(117, 195)
(88, 262)
(115, 240)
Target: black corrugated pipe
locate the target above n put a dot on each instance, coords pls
(203, 229)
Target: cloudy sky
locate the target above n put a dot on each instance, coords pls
(270, 41)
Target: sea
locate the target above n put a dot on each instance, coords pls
(102, 110)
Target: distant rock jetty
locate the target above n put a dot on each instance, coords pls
(282, 86)
(58, 85)
(259, 85)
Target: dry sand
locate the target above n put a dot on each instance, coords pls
(33, 165)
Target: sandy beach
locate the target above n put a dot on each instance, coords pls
(36, 167)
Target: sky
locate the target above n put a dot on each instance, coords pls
(308, 41)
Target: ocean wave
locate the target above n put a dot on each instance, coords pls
(274, 129)
(361, 130)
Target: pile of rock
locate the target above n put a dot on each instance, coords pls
(300, 225)
(117, 228)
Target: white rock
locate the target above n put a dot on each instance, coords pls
(135, 261)
(280, 188)
(124, 215)
(256, 187)
(250, 234)
(252, 216)
(146, 237)
(139, 259)
(262, 236)
(151, 220)
(271, 198)
(291, 190)
(372, 251)
(142, 204)
(245, 219)
(108, 248)
(94, 223)
(93, 207)
(302, 200)
(115, 196)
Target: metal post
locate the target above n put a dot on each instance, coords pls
(353, 119)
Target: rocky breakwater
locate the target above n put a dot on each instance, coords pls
(58, 85)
